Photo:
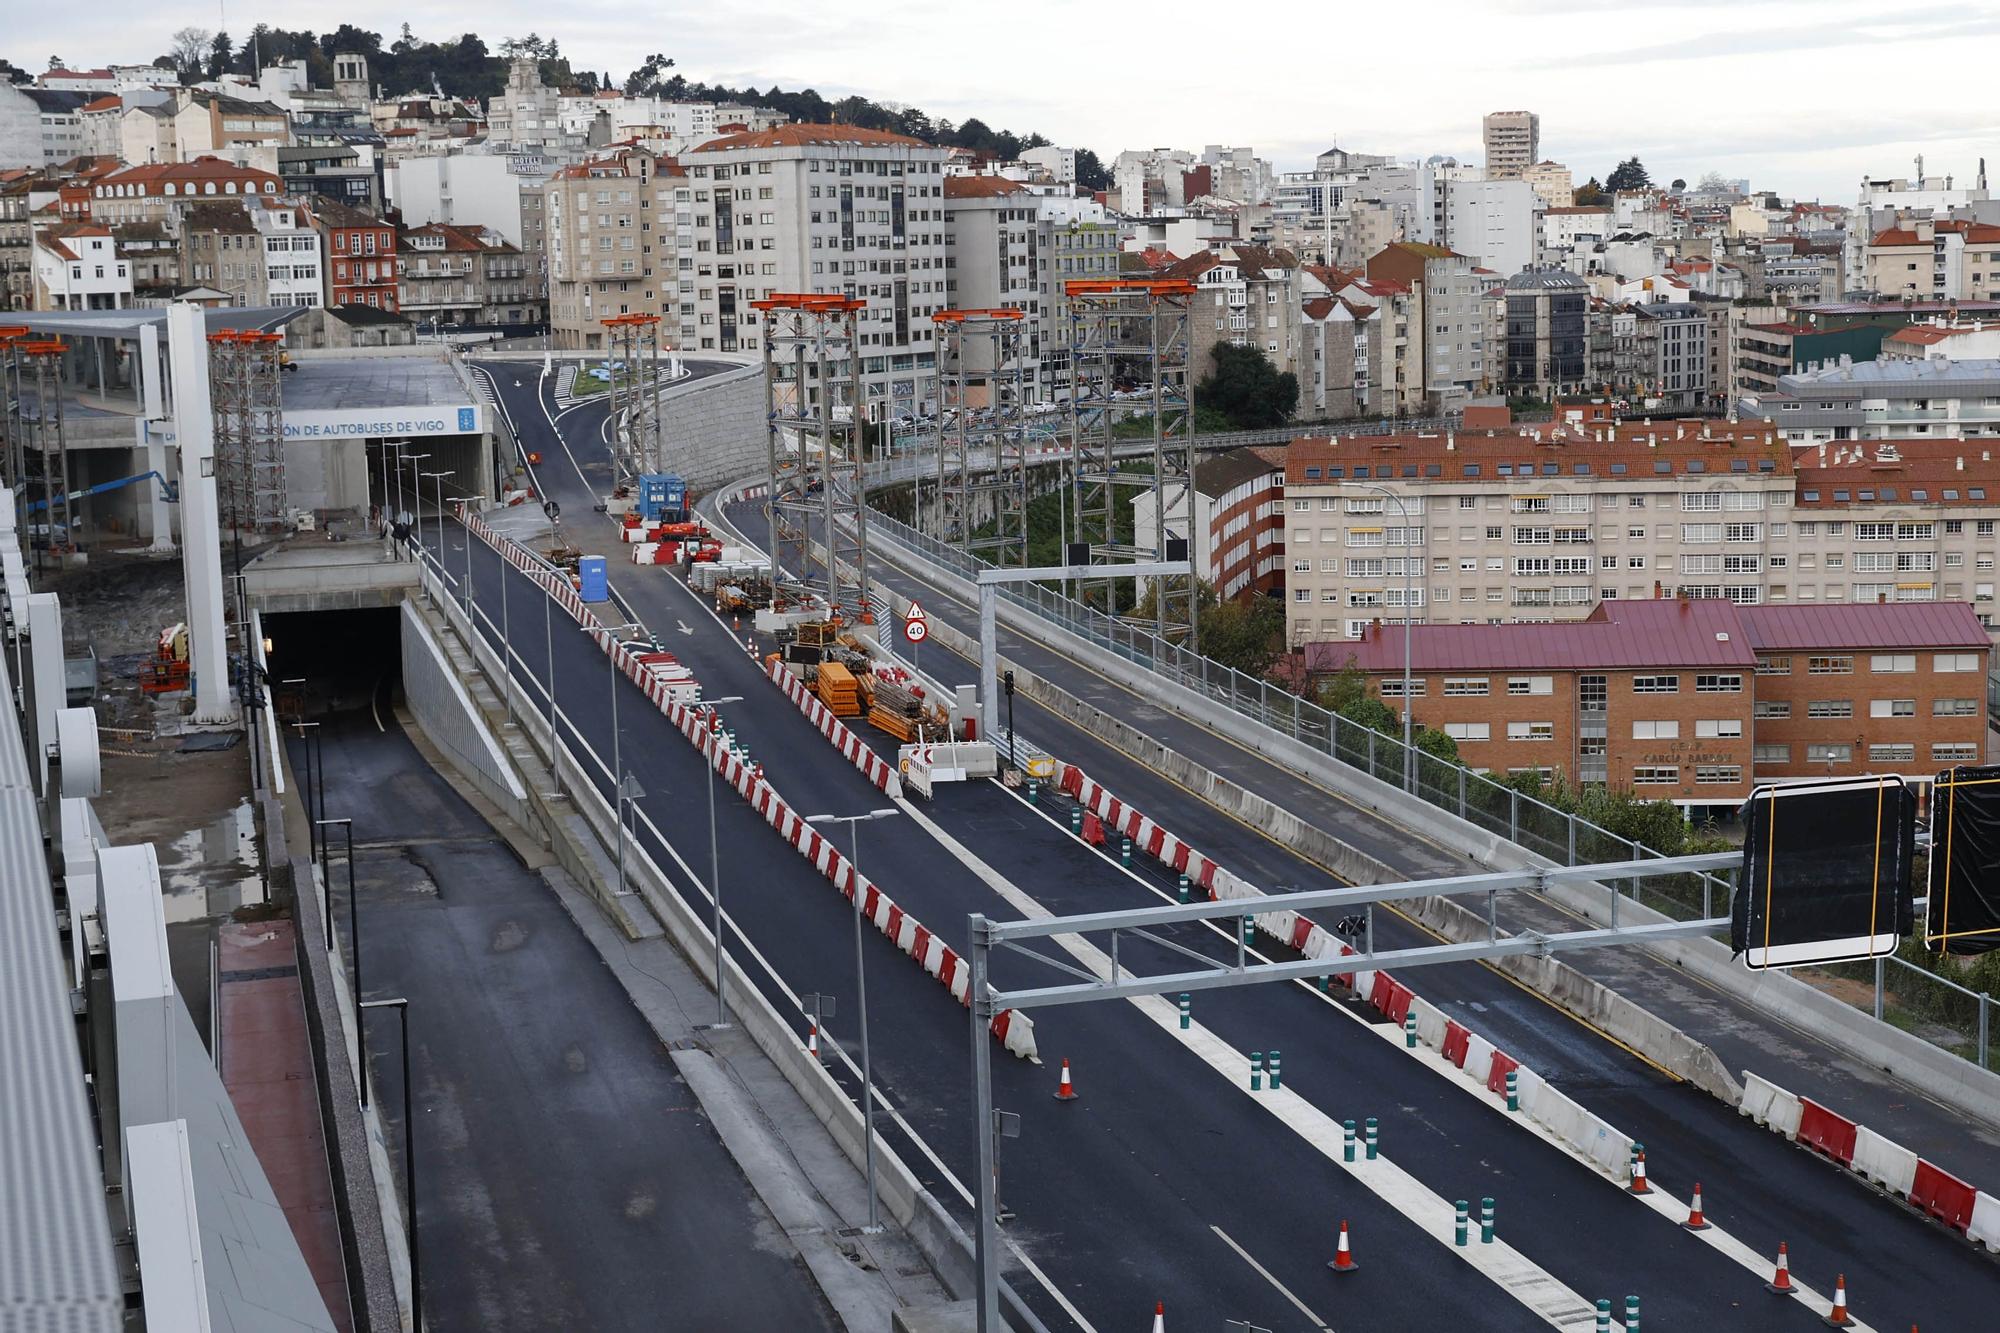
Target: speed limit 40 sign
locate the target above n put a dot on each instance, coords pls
(916, 628)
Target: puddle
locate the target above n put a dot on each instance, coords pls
(212, 871)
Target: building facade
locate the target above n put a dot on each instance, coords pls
(1513, 142)
(360, 253)
(457, 275)
(620, 241)
(1885, 399)
(78, 267)
(1547, 312)
(1446, 361)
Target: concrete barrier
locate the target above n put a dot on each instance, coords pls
(1884, 1161)
(1607, 1148)
(1769, 1105)
(1943, 1196)
(1985, 1227)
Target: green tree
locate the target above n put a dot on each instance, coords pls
(1590, 192)
(188, 50)
(219, 53)
(1091, 173)
(1628, 175)
(1247, 389)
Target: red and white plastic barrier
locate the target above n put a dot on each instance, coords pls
(1897, 1170)
(857, 751)
(1014, 1031)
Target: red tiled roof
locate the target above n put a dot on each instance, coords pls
(801, 136)
(1927, 335)
(1526, 448)
(109, 103)
(1616, 635)
(1863, 626)
(981, 187)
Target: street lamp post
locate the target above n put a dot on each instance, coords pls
(714, 741)
(460, 500)
(401, 1005)
(417, 510)
(437, 477)
(854, 823)
(1409, 754)
(308, 732)
(611, 658)
(629, 793)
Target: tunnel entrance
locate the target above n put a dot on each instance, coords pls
(326, 662)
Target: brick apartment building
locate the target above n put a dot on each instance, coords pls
(360, 254)
(1237, 537)
(1695, 701)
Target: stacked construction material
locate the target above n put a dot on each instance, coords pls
(838, 690)
(898, 705)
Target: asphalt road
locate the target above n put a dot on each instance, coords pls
(567, 1178)
(1127, 1217)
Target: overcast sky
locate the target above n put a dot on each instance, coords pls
(1801, 96)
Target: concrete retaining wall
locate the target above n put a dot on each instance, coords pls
(444, 710)
(714, 426)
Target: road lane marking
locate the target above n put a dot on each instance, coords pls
(1265, 1273)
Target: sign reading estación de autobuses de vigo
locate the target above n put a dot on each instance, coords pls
(384, 422)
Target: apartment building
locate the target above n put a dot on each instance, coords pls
(1546, 332)
(1552, 181)
(221, 249)
(1341, 353)
(1246, 295)
(993, 259)
(528, 113)
(1445, 361)
(151, 193)
(360, 253)
(460, 275)
(1513, 143)
(182, 124)
(1885, 399)
(40, 126)
(78, 267)
(1695, 701)
(1077, 243)
(1942, 259)
(17, 259)
(1673, 353)
(294, 267)
(614, 227)
(1236, 530)
(822, 208)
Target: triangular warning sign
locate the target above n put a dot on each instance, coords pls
(915, 612)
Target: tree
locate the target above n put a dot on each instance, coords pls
(1247, 389)
(1090, 171)
(1248, 635)
(219, 53)
(188, 50)
(1628, 175)
(1714, 182)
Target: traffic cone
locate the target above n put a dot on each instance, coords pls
(1343, 1258)
(1159, 1317)
(1639, 1185)
(1838, 1317)
(1695, 1221)
(812, 1040)
(1781, 1281)
(1065, 1091)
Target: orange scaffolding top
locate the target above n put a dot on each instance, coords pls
(631, 320)
(810, 302)
(10, 332)
(255, 336)
(42, 347)
(957, 316)
(1129, 287)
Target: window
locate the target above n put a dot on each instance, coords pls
(1955, 752)
(1656, 775)
(1742, 532)
(1892, 708)
(1469, 731)
(1954, 708)
(1530, 684)
(1771, 754)
(1531, 731)
(1830, 708)
(1883, 664)
(1697, 501)
(1721, 728)
(1466, 685)
(1774, 666)
(1664, 730)
(1696, 532)
(1777, 709)
(1393, 688)
(1829, 666)
(1718, 773)
(1830, 754)
(1944, 663)
(1891, 754)
(1731, 684)
(1656, 684)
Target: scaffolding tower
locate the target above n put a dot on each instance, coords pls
(814, 446)
(982, 435)
(12, 428)
(1129, 346)
(633, 341)
(45, 447)
(244, 387)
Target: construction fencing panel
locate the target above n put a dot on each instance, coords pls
(1826, 872)
(1963, 915)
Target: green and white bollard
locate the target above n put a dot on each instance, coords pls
(1034, 789)
(1462, 1225)
(1410, 1029)
(1604, 1317)
(1184, 888)
(1187, 1011)
(1632, 1167)
(1486, 1221)
(1125, 853)
(1369, 1135)
(1513, 1091)
(1347, 1140)
(1631, 1314)
(1076, 820)
(1276, 1077)
(1256, 1071)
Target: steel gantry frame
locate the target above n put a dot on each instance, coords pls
(1101, 975)
(1134, 332)
(636, 424)
(982, 445)
(813, 448)
(247, 398)
(43, 359)
(12, 428)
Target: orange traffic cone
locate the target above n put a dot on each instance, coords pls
(1838, 1317)
(812, 1040)
(1065, 1091)
(1159, 1317)
(1695, 1221)
(1343, 1258)
(1781, 1281)
(1639, 1185)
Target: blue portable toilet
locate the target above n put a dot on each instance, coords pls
(593, 579)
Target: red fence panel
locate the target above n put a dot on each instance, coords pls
(1943, 1196)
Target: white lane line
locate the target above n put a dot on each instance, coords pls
(1265, 1273)
(1513, 1272)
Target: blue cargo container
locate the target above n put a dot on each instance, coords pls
(662, 498)
(593, 580)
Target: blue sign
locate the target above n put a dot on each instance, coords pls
(468, 419)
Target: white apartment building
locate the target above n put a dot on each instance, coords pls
(688, 122)
(77, 267)
(1237, 173)
(1151, 178)
(528, 113)
(616, 228)
(1578, 224)
(468, 189)
(1059, 164)
(1495, 223)
(1890, 399)
(294, 268)
(821, 208)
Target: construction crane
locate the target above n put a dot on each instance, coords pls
(167, 491)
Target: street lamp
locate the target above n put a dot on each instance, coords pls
(417, 510)
(629, 793)
(617, 766)
(1409, 756)
(401, 1005)
(714, 855)
(459, 500)
(854, 823)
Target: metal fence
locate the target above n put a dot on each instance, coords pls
(1517, 816)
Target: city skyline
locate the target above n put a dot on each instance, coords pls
(1046, 71)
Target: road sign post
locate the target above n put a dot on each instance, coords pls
(916, 628)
